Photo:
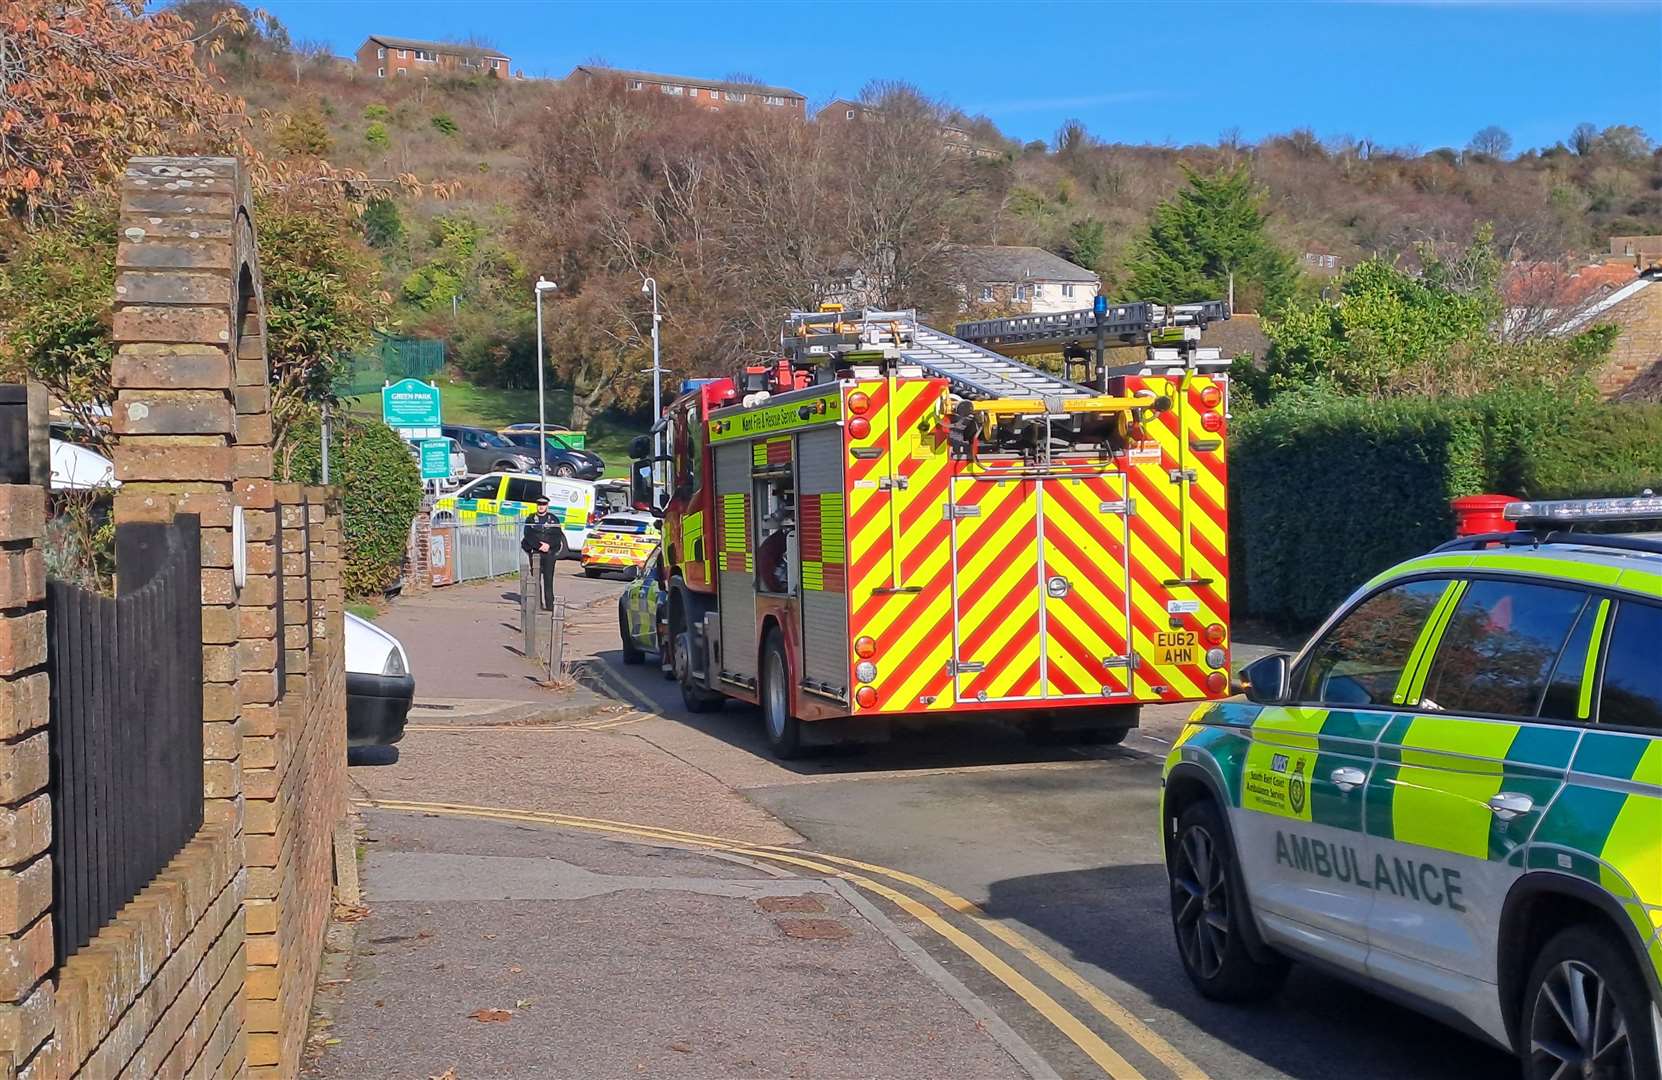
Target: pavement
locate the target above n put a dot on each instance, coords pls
(533, 943)
(990, 907)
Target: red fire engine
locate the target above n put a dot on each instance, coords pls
(891, 521)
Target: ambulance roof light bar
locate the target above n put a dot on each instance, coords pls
(1644, 507)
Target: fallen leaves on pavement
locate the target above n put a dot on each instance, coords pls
(490, 1016)
(350, 912)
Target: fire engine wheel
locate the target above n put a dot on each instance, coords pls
(695, 698)
(784, 731)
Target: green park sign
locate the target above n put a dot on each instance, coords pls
(410, 403)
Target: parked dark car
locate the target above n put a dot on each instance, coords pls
(488, 452)
(563, 460)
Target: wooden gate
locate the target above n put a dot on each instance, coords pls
(126, 725)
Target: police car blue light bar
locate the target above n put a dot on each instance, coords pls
(1575, 511)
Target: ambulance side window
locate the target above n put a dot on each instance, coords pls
(1632, 693)
(522, 490)
(1498, 650)
(1361, 659)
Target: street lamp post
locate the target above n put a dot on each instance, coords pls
(543, 285)
(651, 285)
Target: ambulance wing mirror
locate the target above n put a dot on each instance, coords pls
(640, 447)
(1268, 680)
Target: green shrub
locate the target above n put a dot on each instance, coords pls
(1327, 491)
(444, 125)
(380, 489)
(376, 135)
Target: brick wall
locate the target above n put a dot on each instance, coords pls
(1638, 349)
(26, 992)
(296, 785)
(209, 970)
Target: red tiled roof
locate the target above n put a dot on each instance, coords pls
(1552, 285)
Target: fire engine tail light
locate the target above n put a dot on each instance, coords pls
(1211, 397)
(865, 648)
(1215, 658)
(858, 403)
(865, 697)
(859, 427)
(1211, 422)
(1217, 683)
(865, 671)
(1214, 634)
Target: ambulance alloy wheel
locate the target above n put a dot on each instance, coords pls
(631, 654)
(1209, 908)
(1587, 1012)
(784, 730)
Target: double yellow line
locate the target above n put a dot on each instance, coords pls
(863, 875)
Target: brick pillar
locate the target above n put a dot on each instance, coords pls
(194, 428)
(27, 1045)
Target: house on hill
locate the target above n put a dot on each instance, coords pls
(1025, 279)
(713, 94)
(386, 57)
(1633, 370)
(843, 111)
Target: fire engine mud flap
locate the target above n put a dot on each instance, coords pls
(847, 729)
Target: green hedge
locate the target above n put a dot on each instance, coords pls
(1326, 492)
(380, 488)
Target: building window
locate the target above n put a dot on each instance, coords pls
(1039, 289)
(692, 92)
(772, 99)
(735, 95)
(1067, 291)
(380, 73)
(675, 91)
(423, 54)
(381, 54)
(986, 294)
(1021, 292)
(403, 71)
(403, 54)
(634, 84)
(849, 115)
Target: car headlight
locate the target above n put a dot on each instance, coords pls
(395, 664)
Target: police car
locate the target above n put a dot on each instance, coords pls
(622, 542)
(1453, 795)
(641, 623)
(505, 496)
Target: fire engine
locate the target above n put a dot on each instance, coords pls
(887, 521)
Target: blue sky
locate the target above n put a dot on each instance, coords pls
(1423, 74)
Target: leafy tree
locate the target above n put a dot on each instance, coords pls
(304, 134)
(382, 224)
(1392, 333)
(444, 125)
(1584, 138)
(377, 113)
(376, 135)
(320, 294)
(57, 293)
(466, 260)
(1623, 141)
(88, 84)
(1209, 232)
(1492, 142)
(1086, 243)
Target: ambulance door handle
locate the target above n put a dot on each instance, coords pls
(1347, 779)
(1509, 804)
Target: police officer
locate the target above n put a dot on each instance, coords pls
(541, 541)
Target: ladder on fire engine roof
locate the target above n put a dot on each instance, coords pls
(972, 371)
(1122, 324)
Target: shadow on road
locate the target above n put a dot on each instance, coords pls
(1116, 918)
(372, 755)
(950, 742)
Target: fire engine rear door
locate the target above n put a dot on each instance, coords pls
(996, 581)
(1086, 616)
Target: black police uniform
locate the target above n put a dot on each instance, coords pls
(541, 528)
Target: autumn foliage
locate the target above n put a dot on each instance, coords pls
(87, 84)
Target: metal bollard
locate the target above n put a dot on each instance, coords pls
(557, 641)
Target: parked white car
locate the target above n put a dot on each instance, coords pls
(379, 685)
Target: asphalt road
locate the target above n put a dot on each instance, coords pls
(1059, 844)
